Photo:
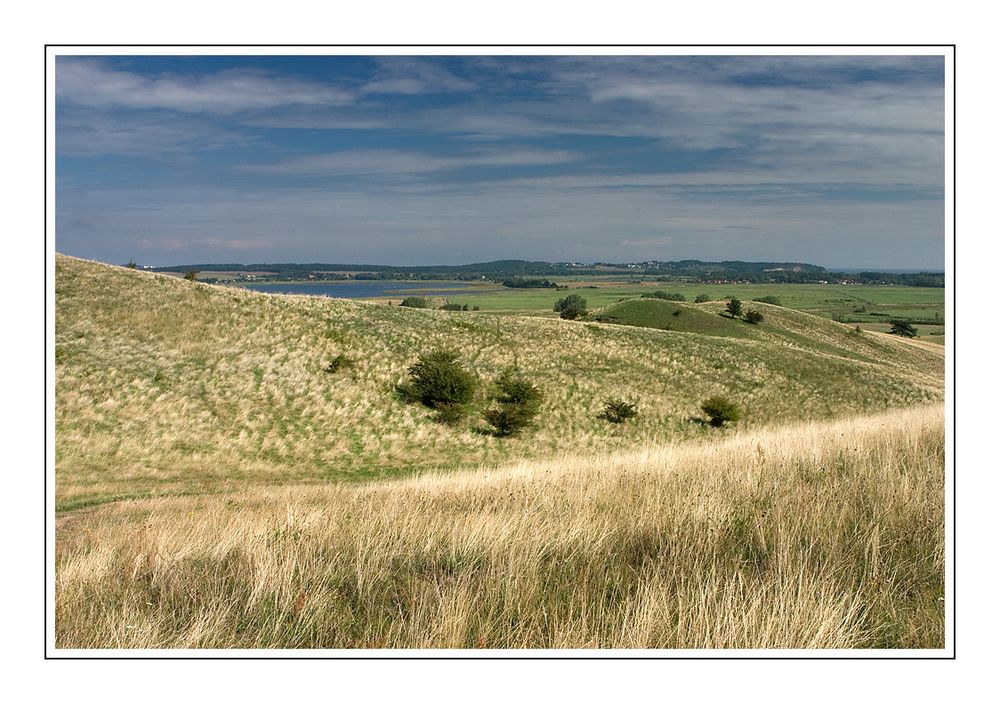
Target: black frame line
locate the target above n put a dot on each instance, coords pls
(951, 333)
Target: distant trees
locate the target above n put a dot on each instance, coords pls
(664, 296)
(734, 307)
(720, 411)
(571, 307)
(415, 302)
(516, 403)
(903, 328)
(520, 282)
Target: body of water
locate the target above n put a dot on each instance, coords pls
(360, 289)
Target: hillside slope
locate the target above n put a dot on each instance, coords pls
(165, 386)
(783, 537)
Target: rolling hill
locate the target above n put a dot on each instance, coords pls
(169, 387)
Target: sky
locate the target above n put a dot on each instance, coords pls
(415, 160)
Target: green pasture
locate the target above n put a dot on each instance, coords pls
(854, 304)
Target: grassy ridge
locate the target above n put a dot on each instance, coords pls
(170, 387)
(774, 538)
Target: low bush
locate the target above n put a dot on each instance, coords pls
(415, 302)
(517, 402)
(720, 411)
(753, 317)
(772, 300)
(702, 298)
(440, 382)
(617, 410)
(571, 307)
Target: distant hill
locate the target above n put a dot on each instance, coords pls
(514, 269)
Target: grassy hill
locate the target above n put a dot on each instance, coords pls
(670, 315)
(165, 386)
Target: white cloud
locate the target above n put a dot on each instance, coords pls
(414, 76)
(92, 83)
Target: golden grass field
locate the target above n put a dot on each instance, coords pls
(216, 488)
(818, 535)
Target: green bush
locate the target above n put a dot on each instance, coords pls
(191, 275)
(438, 380)
(415, 302)
(902, 328)
(452, 306)
(753, 316)
(720, 411)
(734, 307)
(772, 300)
(341, 361)
(617, 410)
(571, 307)
(517, 402)
(702, 298)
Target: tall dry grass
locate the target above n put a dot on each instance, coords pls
(821, 535)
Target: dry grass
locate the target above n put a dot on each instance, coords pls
(820, 535)
(166, 387)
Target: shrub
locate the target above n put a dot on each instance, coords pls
(475, 307)
(571, 307)
(190, 274)
(902, 328)
(772, 300)
(734, 307)
(753, 316)
(664, 296)
(702, 298)
(617, 410)
(452, 306)
(720, 410)
(415, 302)
(517, 402)
(438, 380)
(341, 361)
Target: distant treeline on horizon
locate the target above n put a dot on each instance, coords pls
(510, 269)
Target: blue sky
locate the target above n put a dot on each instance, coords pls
(832, 160)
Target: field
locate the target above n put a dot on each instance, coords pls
(785, 538)
(871, 306)
(215, 487)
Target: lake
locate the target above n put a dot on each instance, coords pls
(360, 289)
